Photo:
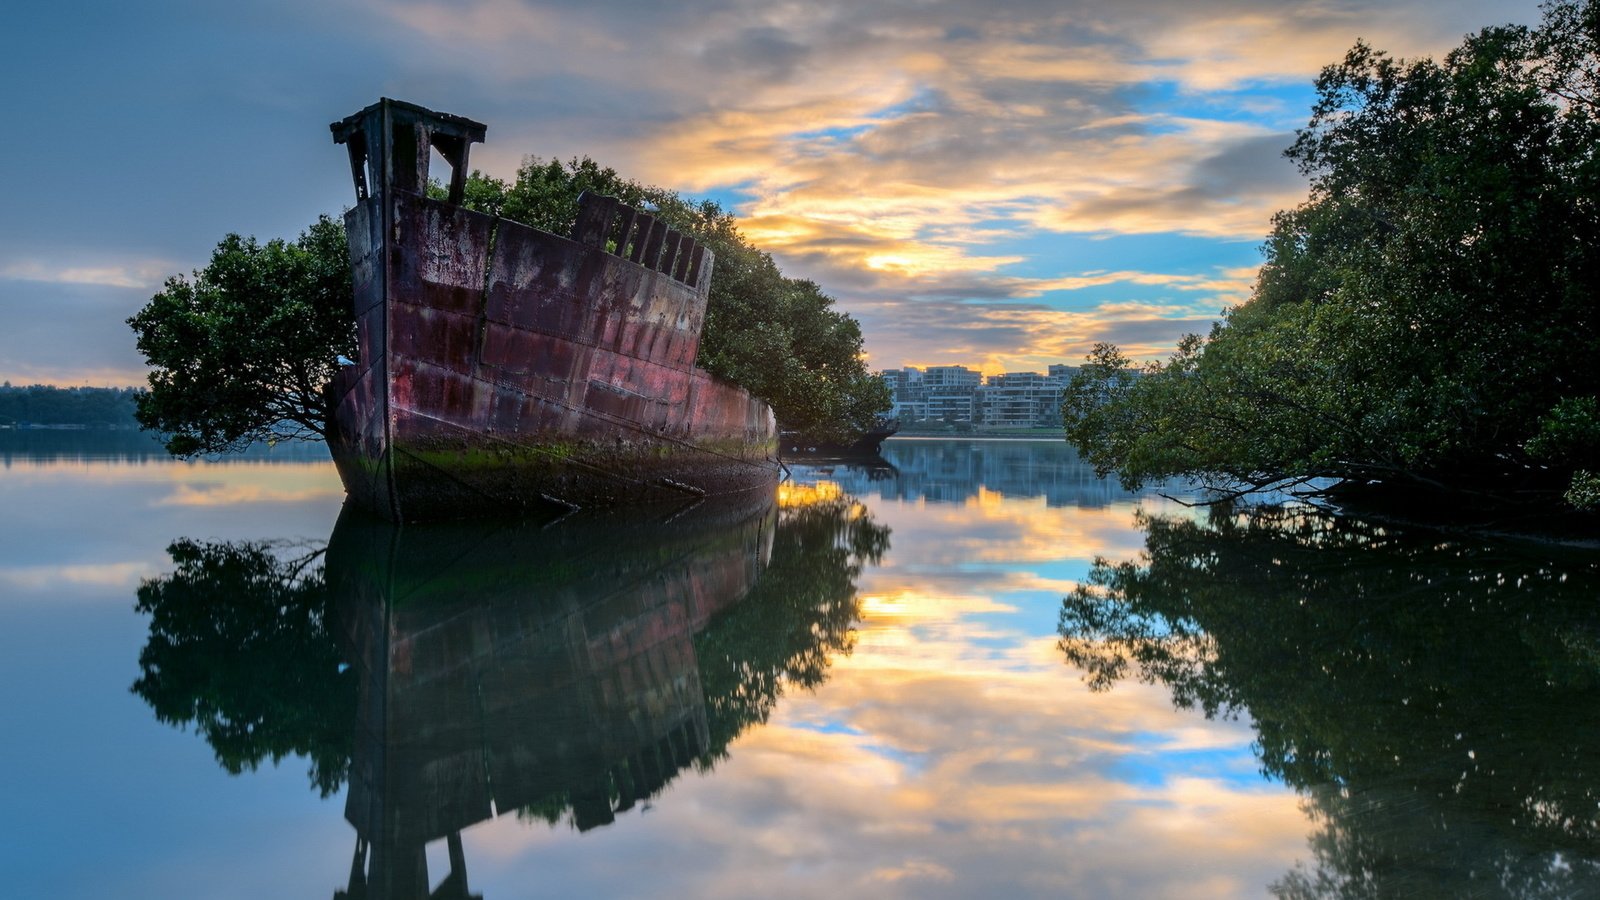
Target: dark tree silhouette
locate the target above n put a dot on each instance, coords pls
(241, 647)
(1437, 698)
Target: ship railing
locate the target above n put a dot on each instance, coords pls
(617, 228)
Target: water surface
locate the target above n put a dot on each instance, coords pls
(970, 670)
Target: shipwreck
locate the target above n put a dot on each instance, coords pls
(502, 368)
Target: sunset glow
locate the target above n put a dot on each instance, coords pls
(998, 186)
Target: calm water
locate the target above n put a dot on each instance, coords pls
(972, 671)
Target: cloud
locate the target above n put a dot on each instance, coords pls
(69, 333)
(122, 575)
(143, 275)
(1013, 337)
(904, 150)
(926, 151)
(940, 110)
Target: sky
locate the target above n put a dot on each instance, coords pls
(994, 183)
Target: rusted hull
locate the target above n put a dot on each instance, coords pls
(504, 368)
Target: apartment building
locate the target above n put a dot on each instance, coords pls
(960, 394)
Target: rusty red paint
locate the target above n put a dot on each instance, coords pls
(570, 359)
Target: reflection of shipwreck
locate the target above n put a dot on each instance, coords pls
(517, 671)
(506, 367)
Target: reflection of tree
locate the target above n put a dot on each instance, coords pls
(249, 643)
(799, 614)
(1435, 697)
(241, 647)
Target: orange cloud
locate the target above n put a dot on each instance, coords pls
(896, 153)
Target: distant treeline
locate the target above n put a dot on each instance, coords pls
(40, 404)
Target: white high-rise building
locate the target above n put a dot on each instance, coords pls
(960, 394)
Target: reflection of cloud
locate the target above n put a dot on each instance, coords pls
(983, 731)
(992, 548)
(222, 483)
(953, 754)
(887, 619)
(236, 494)
(164, 470)
(88, 531)
(939, 788)
(995, 763)
(990, 527)
(906, 606)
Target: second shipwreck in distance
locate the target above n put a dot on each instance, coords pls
(503, 368)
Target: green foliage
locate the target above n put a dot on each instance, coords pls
(1569, 431)
(780, 338)
(243, 648)
(45, 405)
(1429, 306)
(242, 351)
(1434, 697)
(1584, 493)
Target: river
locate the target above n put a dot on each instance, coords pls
(971, 669)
